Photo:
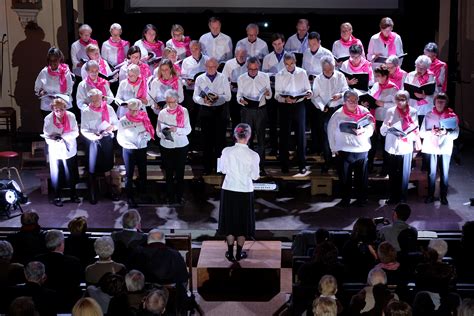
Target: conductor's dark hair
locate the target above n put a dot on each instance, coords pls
(382, 70)
(403, 211)
(355, 50)
(213, 19)
(277, 36)
(54, 52)
(132, 50)
(431, 48)
(253, 60)
(314, 35)
(441, 96)
(149, 27)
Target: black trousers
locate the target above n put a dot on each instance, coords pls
(234, 111)
(443, 162)
(273, 119)
(213, 127)
(356, 162)
(132, 158)
(377, 141)
(193, 112)
(315, 122)
(64, 172)
(174, 160)
(399, 176)
(101, 154)
(290, 113)
(257, 119)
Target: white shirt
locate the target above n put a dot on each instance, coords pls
(339, 50)
(190, 67)
(312, 62)
(91, 120)
(180, 51)
(294, 45)
(254, 87)
(82, 100)
(347, 69)
(325, 88)
(340, 141)
(376, 46)
(180, 136)
(412, 79)
(436, 145)
(50, 84)
(124, 71)
(57, 150)
(232, 71)
(144, 50)
(397, 145)
(109, 53)
(126, 92)
(387, 96)
(295, 83)
(84, 71)
(219, 47)
(240, 165)
(258, 49)
(132, 135)
(158, 89)
(78, 52)
(219, 86)
(271, 65)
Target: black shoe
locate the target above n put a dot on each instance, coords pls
(344, 203)
(75, 199)
(241, 255)
(360, 202)
(443, 200)
(230, 256)
(429, 199)
(58, 202)
(391, 201)
(131, 203)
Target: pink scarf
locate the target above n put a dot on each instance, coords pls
(436, 67)
(172, 82)
(389, 42)
(102, 67)
(351, 41)
(64, 123)
(364, 67)
(407, 121)
(397, 77)
(142, 117)
(99, 84)
(422, 80)
(141, 94)
(177, 69)
(184, 43)
(103, 108)
(91, 41)
(120, 45)
(145, 71)
(154, 47)
(447, 113)
(358, 114)
(61, 73)
(179, 115)
(387, 85)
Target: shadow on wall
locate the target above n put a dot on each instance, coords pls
(30, 57)
(61, 34)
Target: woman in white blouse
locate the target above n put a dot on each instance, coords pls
(60, 132)
(400, 128)
(149, 43)
(236, 211)
(92, 81)
(340, 48)
(55, 78)
(165, 78)
(134, 57)
(397, 75)
(115, 49)
(93, 53)
(134, 87)
(98, 122)
(179, 42)
(384, 43)
(172, 128)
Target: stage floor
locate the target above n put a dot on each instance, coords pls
(291, 208)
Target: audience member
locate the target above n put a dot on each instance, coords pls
(388, 262)
(466, 308)
(110, 294)
(398, 308)
(328, 288)
(390, 233)
(10, 273)
(79, 243)
(86, 306)
(128, 238)
(104, 248)
(324, 306)
(464, 258)
(410, 254)
(23, 306)
(28, 242)
(155, 303)
(135, 282)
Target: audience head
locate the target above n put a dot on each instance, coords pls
(22, 306)
(85, 32)
(29, 218)
(327, 285)
(376, 276)
(215, 25)
(134, 54)
(322, 235)
(468, 233)
(466, 308)
(155, 302)
(364, 229)
(104, 247)
(278, 42)
(397, 308)
(407, 240)
(131, 220)
(325, 253)
(242, 132)
(112, 284)
(54, 57)
(252, 32)
(431, 50)
(6, 251)
(324, 306)
(387, 252)
(115, 29)
(440, 246)
(54, 240)
(35, 272)
(135, 281)
(150, 33)
(156, 235)
(402, 211)
(86, 306)
(78, 225)
(423, 304)
(422, 64)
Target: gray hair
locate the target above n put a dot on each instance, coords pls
(252, 26)
(240, 48)
(440, 246)
(156, 235)
(393, 59)
(135, 281)
(134, 104)
(131, 219)
(327, 59)
(85, 27)
(156, 301)
(92, 64)
(466, 308)
(195, 42)
(431, 48)
(94, 92)
(242, 131)
(104, 247)
(212, 59)
(289, 56)
(170, 93)
(115, 26)
(402, 93)
(134, 69)
(350, 93)
(423, 61)
(376, 276)
(35, 271)
(54, 238)
(6, 251)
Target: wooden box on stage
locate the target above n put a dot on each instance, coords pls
(256, 278)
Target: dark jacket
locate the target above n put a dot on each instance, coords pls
(45, 300)
(27, 243)
(125, 241)
(80, 246)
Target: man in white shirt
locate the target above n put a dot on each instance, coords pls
(351, 148)
(252, 93)
(212, 92)
(291, 89)
(297, 43)
(216, 44)
(255, 46)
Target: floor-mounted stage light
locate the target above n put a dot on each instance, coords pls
(11, 197)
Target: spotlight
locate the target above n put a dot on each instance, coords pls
(11, 197)
(265, 24)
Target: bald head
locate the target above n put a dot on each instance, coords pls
(156, 235)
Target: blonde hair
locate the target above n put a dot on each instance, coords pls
(327, 285)
(78, 225)
(58, 102)
(346, 25)
(168, 50)
(86, 307)
(92, 48)
(115, 26)
(324, 306)
(176, 28)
